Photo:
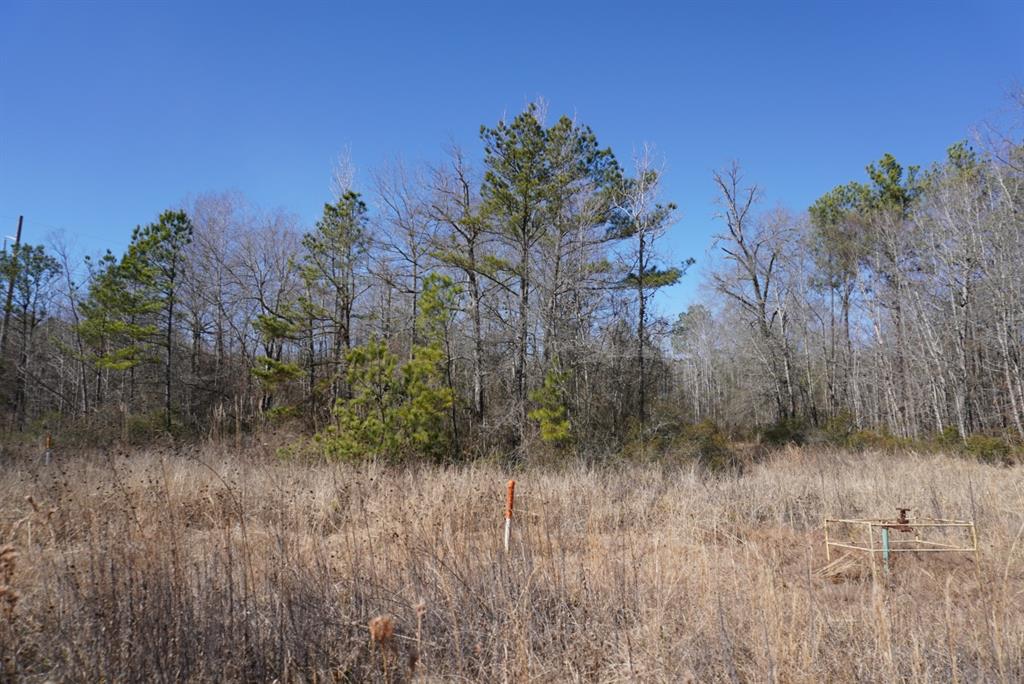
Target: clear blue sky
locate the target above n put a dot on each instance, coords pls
(111, 112)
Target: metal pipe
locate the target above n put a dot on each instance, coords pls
(828, 547)
(871, 543)
(885, 548)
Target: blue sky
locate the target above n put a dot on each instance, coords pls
(111, 112)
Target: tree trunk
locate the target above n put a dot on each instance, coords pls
(169, 359)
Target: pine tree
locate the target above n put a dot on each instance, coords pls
(117, 318)
(398, 410)
(160, 248)
(330, 268)
(551, 413)
(639, 217)
(532, 174)
(130, 312)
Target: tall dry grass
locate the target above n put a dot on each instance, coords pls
(199, 567)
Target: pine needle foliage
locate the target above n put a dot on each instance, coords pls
(397, 410)
(551, 413)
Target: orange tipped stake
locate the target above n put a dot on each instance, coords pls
(509, 501)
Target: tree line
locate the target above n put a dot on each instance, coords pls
(466, 308)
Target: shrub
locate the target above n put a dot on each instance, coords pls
(839, 429)
(551, 413)
(678, 443)
(395, 411)
(398, 410)
(786, 431)
(150, 427)
(706, 443)
(281, 414)
(949, 436)
(865, 440)
(988, 449)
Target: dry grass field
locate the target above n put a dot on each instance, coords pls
(205, 567)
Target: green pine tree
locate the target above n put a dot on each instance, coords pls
(129, 316)
(551, 413)
(117, 321)
(394, 410)
(160, 249)
(534, 177)
(329, 267)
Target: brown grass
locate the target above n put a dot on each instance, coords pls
(202, 567)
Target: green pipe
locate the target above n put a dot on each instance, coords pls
(885, 548)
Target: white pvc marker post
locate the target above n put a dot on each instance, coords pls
(509, 500)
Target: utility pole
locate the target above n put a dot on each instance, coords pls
(10, 291)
